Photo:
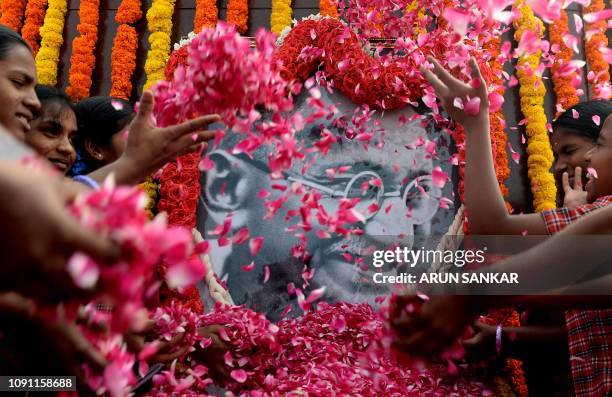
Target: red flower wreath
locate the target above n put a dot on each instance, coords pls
(179, 188)
(385, 83)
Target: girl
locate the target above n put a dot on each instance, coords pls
(102, 124)
(588, 340)
(574, 134)
(53, 132)
(18, 101)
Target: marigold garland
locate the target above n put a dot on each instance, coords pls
(123, 62)
(150, 188)
(129, 12)
(83, 58)
(206, 15)
(123, 55)
(532, 92)
(52, 38)
(34, 18)
(499, 140)
(328, 8)
(280, 17)
(238, 14)
(159, 21)
(565, 92)
(509, 317)
(12, 13)
(595, 59)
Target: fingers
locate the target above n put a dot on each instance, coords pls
(476, 74)
(443, 75)
(200, 123)
(145, 106)
(82, 347)
(472, 342)
(407, 326)
(578, 178)
(166, 358)
(191, 142)
(79, 238)
(440, 88)
(565, 182)
(410, 343)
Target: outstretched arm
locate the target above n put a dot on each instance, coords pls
(442, 319)
(149, 148)
(483, 198)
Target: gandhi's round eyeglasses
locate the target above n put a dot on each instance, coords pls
(369, 188)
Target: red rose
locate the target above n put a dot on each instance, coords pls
(189, 161)
(173, 192)
(303, 70)
(179, 217)
(188, 206)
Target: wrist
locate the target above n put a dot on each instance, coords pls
(498, 339)
(125, 170)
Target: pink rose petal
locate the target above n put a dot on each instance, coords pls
(472, 107)
(239, 375)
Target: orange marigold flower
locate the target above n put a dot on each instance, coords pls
(83, 60)
(130, 11)
(34, 18)
(123, 61)
(12, 13)
(238, 14)
(206, 14)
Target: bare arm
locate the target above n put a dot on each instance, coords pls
(442, 318)
(149, 148)
(568, 257)
(517, 342)
(483, 198)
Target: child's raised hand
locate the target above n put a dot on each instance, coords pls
(573, 195)
(467, 104)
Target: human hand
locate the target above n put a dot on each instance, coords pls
(148, 147)
(453, 92)
(435, 325)
(213, 356)
(40, 235)
(71, 349)
(482, 344)
(166, 350)
(573, 195)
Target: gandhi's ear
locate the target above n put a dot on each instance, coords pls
(423, 198)
(226, 183)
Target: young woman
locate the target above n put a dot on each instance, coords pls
(587, 340)
(103, 125)
(53, 132)
(18, 101)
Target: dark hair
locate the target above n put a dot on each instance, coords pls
(98, 119)
(9, 39)
(583, 125)
(47, 94)
(101, 117)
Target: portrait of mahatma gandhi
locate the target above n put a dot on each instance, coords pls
(407, 202)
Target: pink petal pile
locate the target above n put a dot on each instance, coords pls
(339, 349)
